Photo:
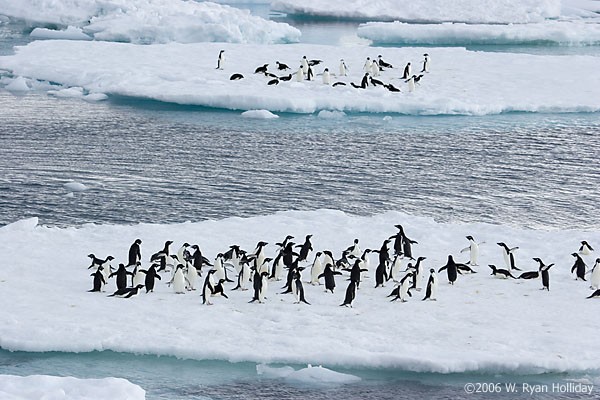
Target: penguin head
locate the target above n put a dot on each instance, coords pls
(262, 244)
(91, 255)
(421, 258)
(139, 286)
(450, 259)
(575, 255)
(186, 244)
(326, 70)
(355, 241)
(138, 241)
(327, 252)
(368, 58)
(268, 260)
(168, 242)
(426, 55)
(431, 270)
(110, 258)
(308, 237)
(379, 56)
(597, 260)
(470, 237)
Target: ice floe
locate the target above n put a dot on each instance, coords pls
(71, 33)
(310, 375)
(459, 82)
(259, 114)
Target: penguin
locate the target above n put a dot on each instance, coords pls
(425, 63)
(329, 275)
(451, 270)
(391, 88)
(375, 82)
(234, 256)
(343, 263)
(585, 248)
(365, 263)
(262, 69)
(273, 82)
(121, 274)
(328, 258)
(135, 253)
(418, 78)
(127, 292)
(383, 63)
(244, 275)
(298, 289)
(265, 265)
(578, 267)
(396, 267)
(260, 287)
(365, 81)
(259, 252)
(99, 281)
(545, 276)
(164, 256)
(137, 275)
(208, 287)
(381, 275)
(178, 280)
(219, 268)
(529, 275)
(281, 66)
(465, 268)
(286, 78)
(105, 264)
(367, 66)
(236, 77)
(343, 68)
(326, 77)
(406, 72)
(354, 250)
(595, 278)
(221, 60)
(198, 260)
(350, 295)
(595, 294)
(384, 255)
(183, 254)
(192, 276)
(403, 289)
(312, 63)
(316, 270)
(304, 64)
(151, 274)
(473, 251)
(411, 84)
(96, 262)
(355, 272)
(509, 257)
(500, 273)
(398, 237)
(420, 273)
(309, 74)
(375, 68)
(219, 290)
(305, 249)
(432, 285)
(285, 241)
(290, 277)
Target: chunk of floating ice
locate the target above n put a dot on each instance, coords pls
(331, 114)
(309, 375)
(73, 92)
(387, 118)
(69, 195)
(95, 97)
(259, 114)
(71, 33)
(19, 84)
(68, 388)
(75, 186)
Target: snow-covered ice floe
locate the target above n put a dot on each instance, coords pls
(580, 32)
(311, 375)
(483, 11)
(459, 82)
(37, 387)
(148, 21)
(480, 324)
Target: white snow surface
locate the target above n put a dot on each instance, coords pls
(71, 33)
(576, 32)
(19, 84)
(480, 323)
(480, 11)
(149, 21)
(459, 82)
(36, 387)
(309, 375)
(259, 114)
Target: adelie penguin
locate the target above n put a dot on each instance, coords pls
(578, 267)
(151, 275)
(343, 68)
(500, 273)
(403, 289)
(326, 77)
(343, 262)
(367, 65)
(298, 289)
(396, 268)
(135, 253)
(236, 77)
(244, 274)
(127, 292)
(281, 66)
(260, 282)
(545, 276)
(99, 281)
(350, 295)
(329, 275)
(305, 249)
(137, 276)
(316, 270)
(451, 269)
(473, 251)
(383, 63)
(208, 288)
(420, 272)
(179, 280)
(595, 278)
(198, 260)
(509, 256)
(221, 60)
(354, 250)
(121, 274)
(406, 74)
(426, 61)
(585, 248)
(262, 69)
(163, 256)
(381, 275)
(432, 285)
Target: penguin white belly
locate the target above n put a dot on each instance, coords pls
(179, 282)
(316, 270)
(106, 271)
(404, 290)
(595, 279)
(326, 78)
(474, 254)
(245, 271)
(367, 66)
(396, 267)
(506, 259)
(375, 69)
(342, 70)
(139, 278)
(192, 276)
(411, 85)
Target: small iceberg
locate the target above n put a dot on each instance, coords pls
(75, 186)
(309, 375)
(259, 114)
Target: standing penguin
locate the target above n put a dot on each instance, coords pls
(595, 279)
(316, 270)
(309, 74)
(375, 68)
(164, 254)
(208, 287)
(396, 267)
(403, 289)
(411, 83)
(451, 269)
(328, 258)
(343, 68)
(137, 276)
(198, 260)
(135, 253)
(151, 274)
(578, 267)
(244, 275)
(381, 275)
(99, 281)
(300, 74)
(221, 60)
(354, 250)
(178, 281)
(260, 282)
(298, 289)
(365, 263)
(121, 274)
(219, 268)
(406, 72)
(425, 63)
(356, 271)
(585, 248)
(509, 257)
(278, 265)
(432, 285)
(365, 81)
(545, 276)
(259, 252)
(304, 64)
(305, 249)
(326, 77)
(350, 295)
(329, 275)
(367, 66)
(192, 276)
(420, 272)
(473, 251)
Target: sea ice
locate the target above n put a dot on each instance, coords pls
(309, 375)
(75, 186)
(36, 387)
(71, 33)
(19, 84)
(259, 114)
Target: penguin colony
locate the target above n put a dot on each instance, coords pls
(188, 270)
(372, 68)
